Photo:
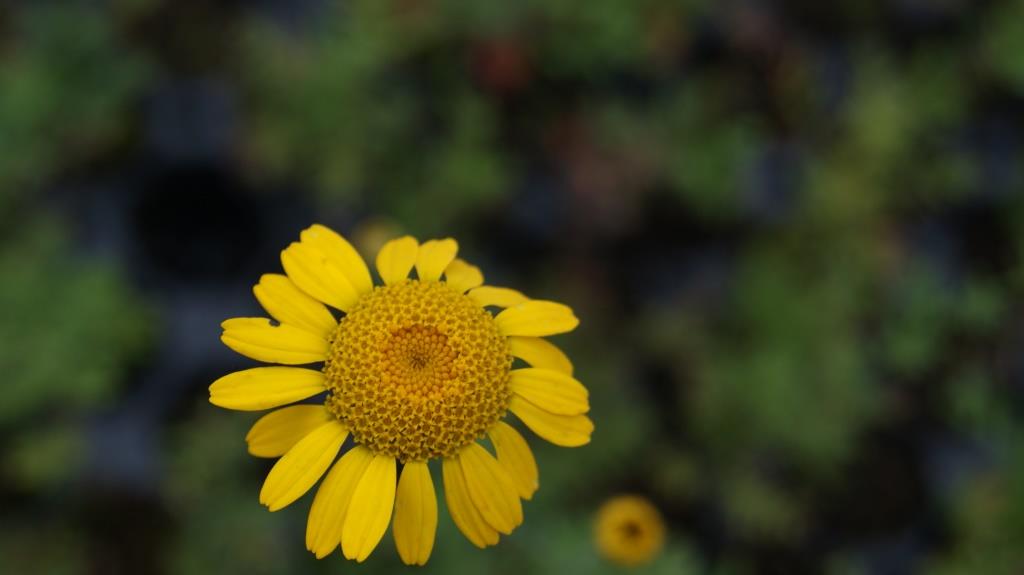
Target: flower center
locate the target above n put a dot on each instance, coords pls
(630, 529)
(417, 371)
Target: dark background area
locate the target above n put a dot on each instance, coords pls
(792, 230)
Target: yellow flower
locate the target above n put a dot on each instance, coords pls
(415, 370)
(629, 530)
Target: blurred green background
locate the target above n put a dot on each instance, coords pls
(793, 231)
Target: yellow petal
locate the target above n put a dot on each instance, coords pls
(491, 489)
(370, 511)
(396, 258)
(550, 390)
(564, 430)
(286, 303)
(265, 387)
(257, 338)
(536, 318)
(539, 352)
(276, 432)
(516, 457)
(341, 252)
(293, 474)
(497, 296)
(461, 508)
(318, 276)
(327, 515)
(463, 276)
(415, 514)
(434, 256)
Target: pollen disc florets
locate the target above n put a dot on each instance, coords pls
(417, 370)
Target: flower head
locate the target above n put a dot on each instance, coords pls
(417, 369)
(629, 530)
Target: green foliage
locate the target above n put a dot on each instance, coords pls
(792, 330)
(916, 331)
(990, 523)
(64, 82)
(397, 107)
(1003, 42)
(72, 327)
(45, 457)
(925, 314)
(358, 132)
(42, 547)
(209, 488)
(72, 330)
(707, 143)
(761, 511)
